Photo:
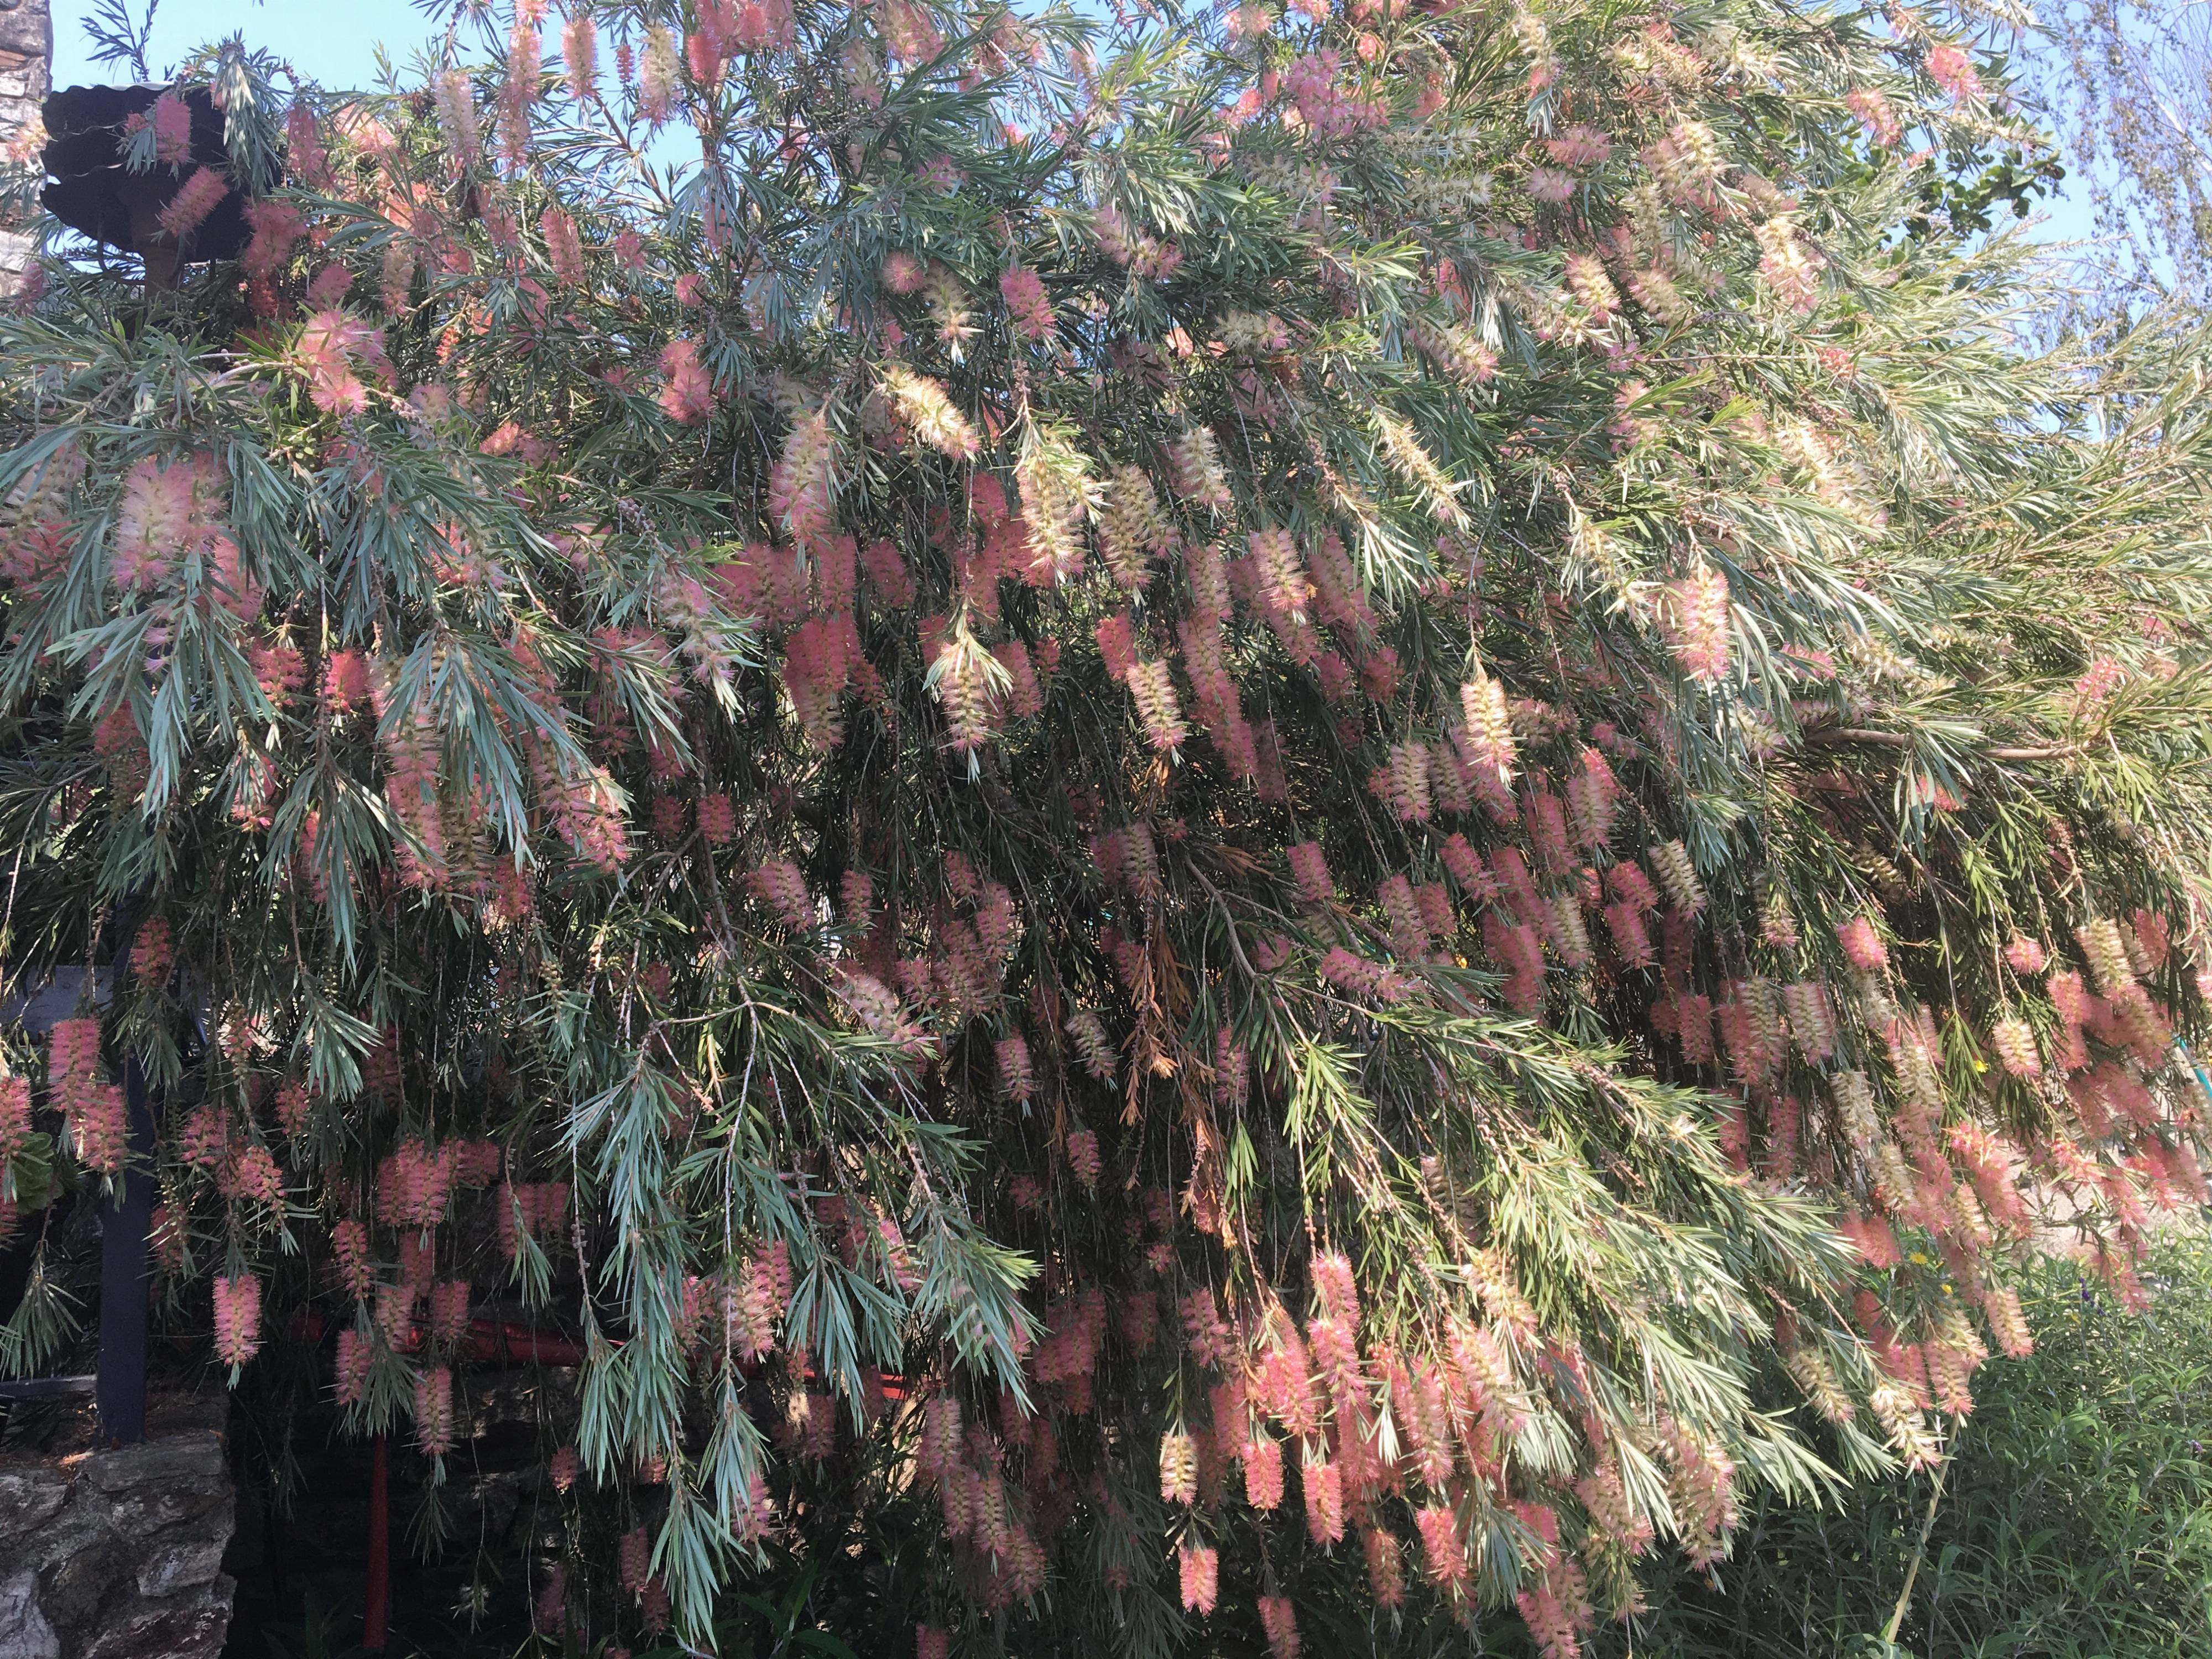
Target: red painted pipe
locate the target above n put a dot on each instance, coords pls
(377, 1603)
(488, 1340)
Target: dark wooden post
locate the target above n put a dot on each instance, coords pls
(126, 1236)
(376, 1611)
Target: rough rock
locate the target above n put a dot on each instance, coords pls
(118, 1554)
(27, 50)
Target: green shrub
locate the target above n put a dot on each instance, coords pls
(2076, 1521)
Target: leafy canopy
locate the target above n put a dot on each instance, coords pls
(1113, 771)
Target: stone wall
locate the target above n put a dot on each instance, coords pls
(118, 1554)
(27, 52)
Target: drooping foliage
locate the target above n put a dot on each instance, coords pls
(1287, 820)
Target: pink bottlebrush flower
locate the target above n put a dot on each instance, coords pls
(157, 517)
(1025, 696)
(205, 1142)
(1632, 942)
(1551, 185)
(1324, 1484)
(1439, 918)
(856, 902)
(1695, 616)
(2104, 676)
(1278, 574)
(1546, 818)
(1862, 946)
(1594, 795)
(1951, 68)
(687, 393)
(1592, 288)
(1486, 740)
(1117, 644)
(277, 226)
(633, 1560)
(433, 1411)
(932, 1641)
(549, 1614)
(1443, 1553)
(453, 97)
(819, 1427)
(1468, 870)
(255, 1178)
(580, 54)
(1336, 1288)
(1083, 1158)
(903, 274)
(1152, 688)
(91, 1106)
(1554, 1620)
(2014, 1042)
(564, 1468)
(295, 1109)
(1209, 1339)
(658, 76)
(1409, 934)
(200, 195)
(355, 1357)
(1812, 1018)
(1263, 1473)
(1309, 869)
(1178, 1468)
(801, 488)
(1580, 146)
(345, 683)
(887, 574)
(394, 1315)
(1702, 1489)
(280, 669)
(1406, 781)
(1026, 301)
(1870, 1236)
(306, 159)
(449, 1311)
(2070, 996)
(1280, 1619)
(1013, 1058)
(350, 1255)
(564, 247)
(237, 1319)
(1386, 1573)
(1199, 1567)
(332, 351)
(1284, 1385)
(778, 884)
(2152, 941)
(717, 819)
(172, 128)
(14, 1116)
(2024, 955)
(2008, 1323)
(1876, 115)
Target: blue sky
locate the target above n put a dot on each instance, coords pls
(328, 40)
(332, 41)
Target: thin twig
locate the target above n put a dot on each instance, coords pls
(1919, 1550)
(1903, 740)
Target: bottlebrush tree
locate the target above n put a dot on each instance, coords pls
(1281, 821)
